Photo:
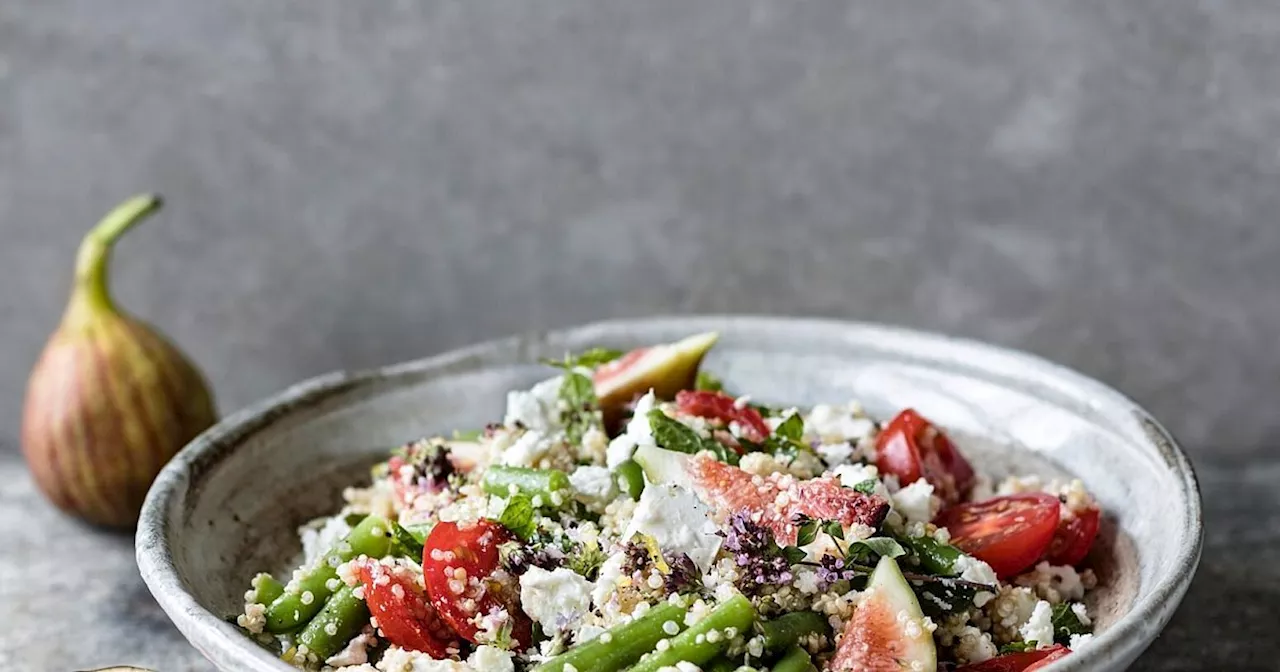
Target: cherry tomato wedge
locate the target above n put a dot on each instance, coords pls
(1019, 662)
(720, 406)
(1074, 538)
(1009, 533)
(403, 614)
(457, 563)
(911, 448)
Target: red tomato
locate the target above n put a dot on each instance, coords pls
(720, 406)
(457, 562)
(1074, 538)
(1009, 533)
(910, 447)
(1019, 662)
(403, 615)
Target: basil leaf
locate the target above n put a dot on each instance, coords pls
(867, 487)
(708, 381)
(588, 359)
(1066, 623)
(881, 546)
(794, 554)
(791, 429)
(674, 435)
(834, 529)
(941, 598)
(518, 516)
(807, 533)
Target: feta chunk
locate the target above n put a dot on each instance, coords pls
(594, 485)
(975, 570)
(557, 599)
(833, 423)
(851, 475)
(537, 409)
(528, 449)
(1078, 641)
(607, 580)
(638, 433)
(1039, 627)
(835, 454)
(678, 521)
(916, 502)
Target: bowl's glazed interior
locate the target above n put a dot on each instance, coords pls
(228, 506)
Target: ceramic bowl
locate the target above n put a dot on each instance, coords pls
(227, 506)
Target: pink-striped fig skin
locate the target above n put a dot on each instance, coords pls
(108, 403)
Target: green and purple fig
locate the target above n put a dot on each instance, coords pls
(110, 400)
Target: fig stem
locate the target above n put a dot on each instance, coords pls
(90, 293)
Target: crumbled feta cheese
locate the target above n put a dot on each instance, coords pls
(975, 570)
(1082, 614)
(594, 485)
(678, 521)
(356, 651)
(1078, 641)
(557, 599)
(1053, 583)
(1039, 627)
(916, 502)
(396, 659)
(851, 475)
(537, 409)
(833, 423)
(491, 659)
(607, 580)
(527, 449)
(835, 454)
(638, 433)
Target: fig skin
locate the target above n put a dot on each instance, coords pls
(110, 400)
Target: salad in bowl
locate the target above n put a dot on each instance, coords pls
(627, 513)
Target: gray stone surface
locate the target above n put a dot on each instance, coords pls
(356, 183)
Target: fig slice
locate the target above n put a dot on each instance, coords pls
(887, 632)
(666, 369)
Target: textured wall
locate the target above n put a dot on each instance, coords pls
(357, 183)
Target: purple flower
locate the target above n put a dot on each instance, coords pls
(683, 577)
(761, 562)
(431, 465)
(831, 570)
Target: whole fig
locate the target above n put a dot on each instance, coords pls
(110, 400)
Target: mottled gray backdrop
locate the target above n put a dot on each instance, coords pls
(353, 183)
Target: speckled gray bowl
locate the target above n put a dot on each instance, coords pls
(227, 505)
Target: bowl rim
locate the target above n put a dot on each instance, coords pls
(224, 644)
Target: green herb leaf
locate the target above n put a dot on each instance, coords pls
(579, 397)
(807, 533)
(867, 487)
(588, 560)
(794, 554)
(674, 435)
(881, 546)
(420, 531)
(791, 429)
(834, 529)
(1066, 623)
(405, 544)
(1017, 647)
(931, 555)
(708, 381)
(588, 359)
(518, 516)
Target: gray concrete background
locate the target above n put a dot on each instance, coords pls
(352, 184)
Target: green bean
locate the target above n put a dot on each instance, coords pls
(796, 660)
(265, 589)
(630, 478)
(723, 664)
(535, 484)
(341, 619)
(306, 594)
(704, 640)
(621, 645)
(786, 631)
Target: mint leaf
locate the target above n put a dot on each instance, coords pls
(517, 516)
(794, 554)
(791, 429)
(807, 533)
(405, 543)
(834, 529)
(674, 435)
(1066, 623)
(867, 487)
(931, 555)
(709, 382)
(587, 359)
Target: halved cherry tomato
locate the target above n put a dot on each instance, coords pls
(403, 615)
(1074, 538)
(1009, 533)
(457, 563)
(910, 447)
(720, 406)
(1019, 662)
